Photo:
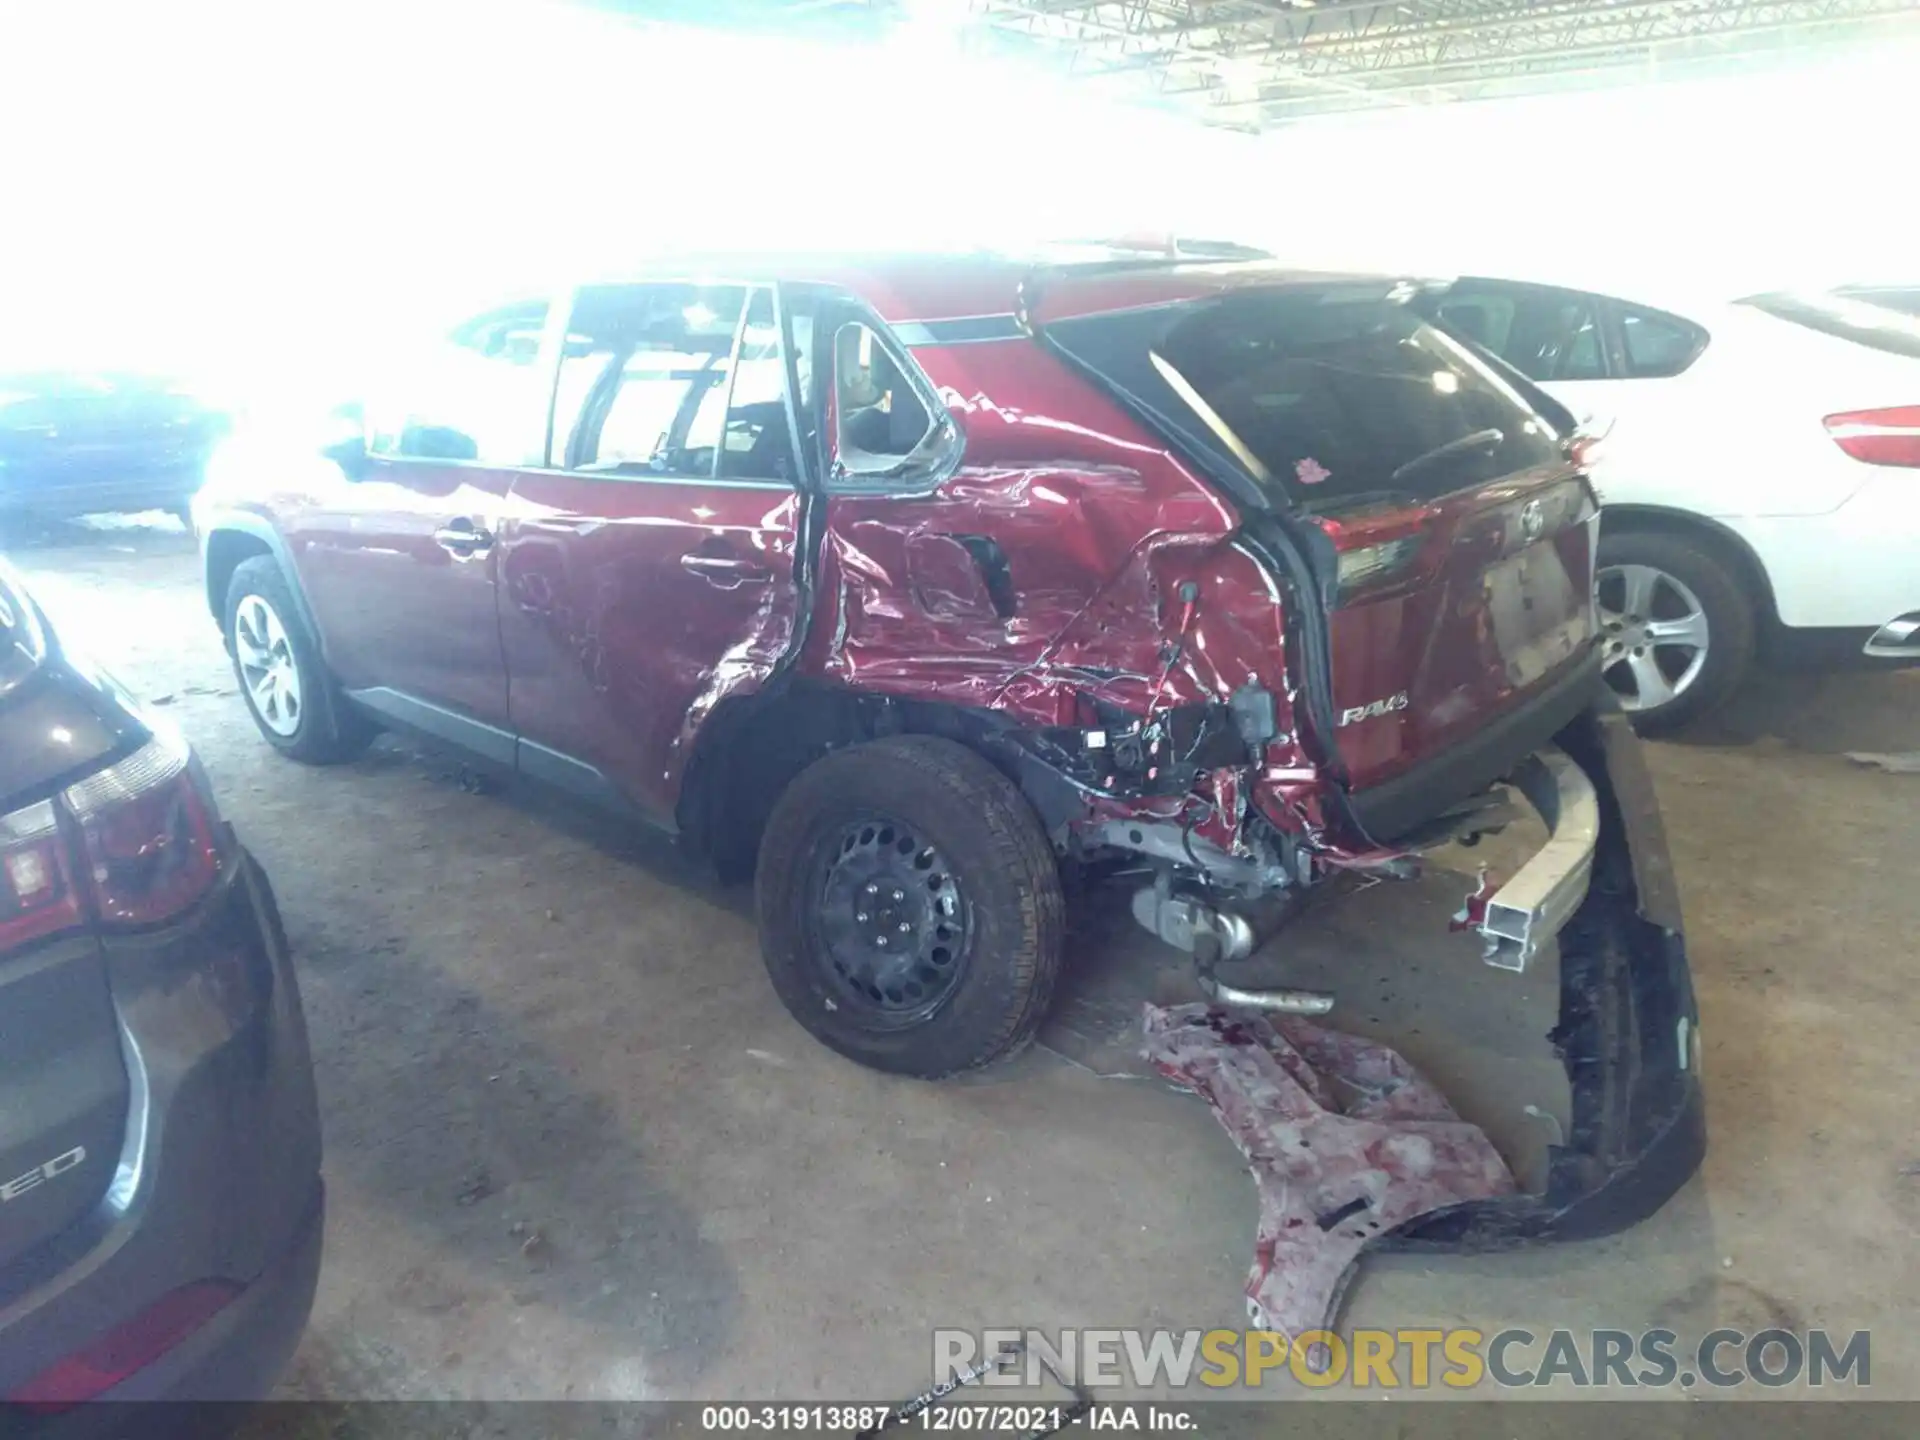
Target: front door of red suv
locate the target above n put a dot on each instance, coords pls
(647, 569)
(398, 563)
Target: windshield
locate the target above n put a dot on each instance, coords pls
(1875, 326)
(1329, 396)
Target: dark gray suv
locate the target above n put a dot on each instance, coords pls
(160, 1193)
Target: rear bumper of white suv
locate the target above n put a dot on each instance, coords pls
(1898, 639)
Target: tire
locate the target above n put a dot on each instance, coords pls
(988, 898)
(320, 726)
(1692, 577)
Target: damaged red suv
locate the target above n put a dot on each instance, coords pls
(900, 583)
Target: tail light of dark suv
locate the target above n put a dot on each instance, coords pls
(36, 887)
(132, 845)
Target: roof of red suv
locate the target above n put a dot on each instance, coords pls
(905, 287)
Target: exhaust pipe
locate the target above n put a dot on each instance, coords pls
(1210, 936)
(1279, 1002)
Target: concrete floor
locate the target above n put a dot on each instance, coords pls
(576, 1148)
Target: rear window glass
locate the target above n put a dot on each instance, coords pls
(1875, 326)
(1333, 398)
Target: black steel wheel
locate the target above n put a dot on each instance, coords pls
(910, 908)
(894, 925)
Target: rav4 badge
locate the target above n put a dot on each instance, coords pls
(1379, 707)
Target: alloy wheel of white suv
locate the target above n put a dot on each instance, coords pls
(1676, 626)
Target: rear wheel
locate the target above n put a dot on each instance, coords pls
(293, 700)
(1677, 627)
(910, 908)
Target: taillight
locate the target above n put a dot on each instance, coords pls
(1879, 437)
(149, 835)
(1362, 567)
(37, 896)
(124, 1350)
(1375, 543)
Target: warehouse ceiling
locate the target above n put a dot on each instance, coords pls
(1253, 64)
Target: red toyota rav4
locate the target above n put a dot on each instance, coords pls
(897, 583)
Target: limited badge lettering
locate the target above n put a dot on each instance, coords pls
(40, 1174)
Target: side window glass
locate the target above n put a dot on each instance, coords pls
(478, 395)
(757, 443)
(1581, 360)
(1656, 344)
(883, 428)
(1555, 336)
(642, 387)
(1484, 318)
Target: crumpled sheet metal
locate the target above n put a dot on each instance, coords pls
(1345, 1140)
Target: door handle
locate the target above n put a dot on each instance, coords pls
(728, 572)
(464, 538)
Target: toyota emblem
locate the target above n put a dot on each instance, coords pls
(1533, 520)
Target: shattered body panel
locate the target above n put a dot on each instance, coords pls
(1097, 539)
(1345, 1140)
(1119, 588)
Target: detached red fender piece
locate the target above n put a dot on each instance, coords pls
(1628, 1032)
(1344, 1138)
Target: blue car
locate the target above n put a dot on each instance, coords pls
(85, 442)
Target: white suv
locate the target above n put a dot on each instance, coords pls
(1756, 466)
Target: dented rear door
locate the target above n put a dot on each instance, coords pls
(647, 570)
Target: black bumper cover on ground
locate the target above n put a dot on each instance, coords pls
(1627, 1032)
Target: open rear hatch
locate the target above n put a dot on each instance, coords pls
(1460, 531)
